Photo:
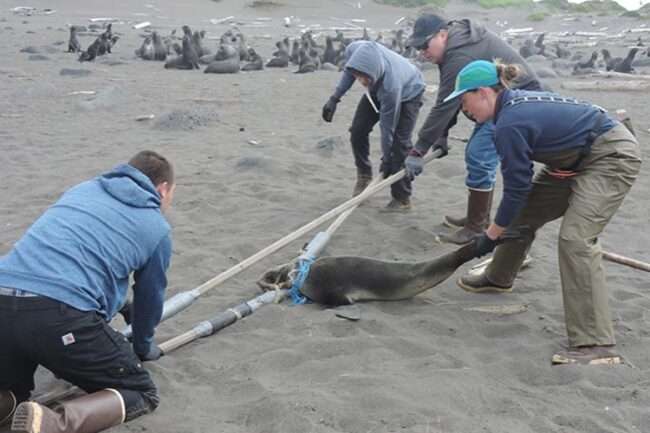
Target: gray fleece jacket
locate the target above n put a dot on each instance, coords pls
(394, 80)
(467, 41)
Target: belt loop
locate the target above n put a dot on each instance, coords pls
(63, 308)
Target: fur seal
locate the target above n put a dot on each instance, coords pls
(329, 56)
(306, 63)
(73, 42)
(187, 60)
(589, 65)
(145, 51)
(100, 46)
(236, 38)
(226, 61)
(610, 62)
(159, 49)
(346, 280)
(280, 58)
(295, 52)
(255, 62)
(625, 66)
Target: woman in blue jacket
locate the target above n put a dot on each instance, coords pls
(591, 161)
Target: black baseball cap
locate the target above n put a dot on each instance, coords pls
(426, 26)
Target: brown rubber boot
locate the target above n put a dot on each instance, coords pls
(7, 406)
(91, 413)
(363, 180)
(479, 204)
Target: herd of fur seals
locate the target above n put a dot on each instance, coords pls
(233, 54)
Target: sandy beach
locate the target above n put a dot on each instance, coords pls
(255, 161)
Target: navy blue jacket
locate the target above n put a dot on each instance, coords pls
(526, 130)
(82, 250)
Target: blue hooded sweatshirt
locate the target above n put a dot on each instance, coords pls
(394, 80)
(82, 250)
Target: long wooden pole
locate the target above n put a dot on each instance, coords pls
(217, 323)
(627, 261)
(183, 300)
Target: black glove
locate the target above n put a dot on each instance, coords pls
(127, 312)
(442, 145)
(484, 245)
(153, 354)
(329, 108)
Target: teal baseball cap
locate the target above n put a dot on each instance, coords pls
(479, 73)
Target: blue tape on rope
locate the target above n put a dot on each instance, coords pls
(302, 272)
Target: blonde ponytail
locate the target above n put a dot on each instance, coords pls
(507, 74)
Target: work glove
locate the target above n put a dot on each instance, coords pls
(484, 245)
(414, 163)
(329, 108)
(442, 145)
(127, 312)
(153, 354)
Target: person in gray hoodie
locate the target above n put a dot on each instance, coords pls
(393, 98)
(452, 45)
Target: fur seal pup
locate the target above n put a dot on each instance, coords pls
(625, 66)
(159, 49)
(329, 55)
(255, 62)
(188, 58)
(306, 63)
(346, 280)
(295, 52)
(561, 52)
(280, 58)
(585, 67)
(226, 61)
(610, 62)
(189, 52)
(197, 40)
(145, 51)
(73, 42)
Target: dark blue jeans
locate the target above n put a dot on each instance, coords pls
(481, 158)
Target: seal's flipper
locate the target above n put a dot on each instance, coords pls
(349, 312)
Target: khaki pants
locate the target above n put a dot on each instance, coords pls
(587, 202)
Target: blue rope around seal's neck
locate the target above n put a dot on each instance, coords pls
(302, 271)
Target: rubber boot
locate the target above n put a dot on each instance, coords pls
(454, 222)
(363, 180)
(7, 406)
(91, 413)
(479, 204)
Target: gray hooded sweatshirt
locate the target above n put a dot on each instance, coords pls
(467, 41)
(394, 80)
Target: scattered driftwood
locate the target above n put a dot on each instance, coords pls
(612, 74)
(607, 85)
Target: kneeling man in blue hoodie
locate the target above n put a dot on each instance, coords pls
(62, 283)
(393, 98)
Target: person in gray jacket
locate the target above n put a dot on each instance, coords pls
(452, 45)
(393, 98)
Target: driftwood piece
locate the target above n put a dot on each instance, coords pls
(607, 85)
(612, 74)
